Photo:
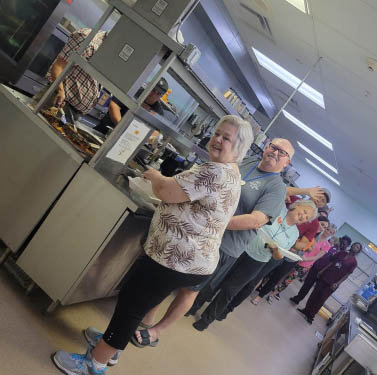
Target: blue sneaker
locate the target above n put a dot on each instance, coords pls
(75, 364)
(92, 336)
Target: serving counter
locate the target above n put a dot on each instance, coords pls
(350, 344)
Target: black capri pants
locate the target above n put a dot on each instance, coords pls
(147, 284)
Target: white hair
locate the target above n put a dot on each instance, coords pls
(305, 202)
(245, 136)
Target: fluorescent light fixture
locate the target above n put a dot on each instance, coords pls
(307, 129)
(300, 5)
(322, 171)
(289, 78)
(315, 156)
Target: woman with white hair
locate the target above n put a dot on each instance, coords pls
(283, 233)
(182, 248)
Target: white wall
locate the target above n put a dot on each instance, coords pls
(346, 209)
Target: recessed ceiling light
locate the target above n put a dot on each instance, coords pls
(289, 78)
(308, 130)
(315, 156)
(300, 5)
(322, 171)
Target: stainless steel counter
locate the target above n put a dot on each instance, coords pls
(36, 164)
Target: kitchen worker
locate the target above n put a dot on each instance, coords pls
(78, 93)
(329, 279)
(117, 109)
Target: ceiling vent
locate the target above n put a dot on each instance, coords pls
(254, 19)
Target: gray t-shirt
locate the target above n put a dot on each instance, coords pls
(265, 194)
(283, 234)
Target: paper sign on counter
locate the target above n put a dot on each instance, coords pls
(129, 141)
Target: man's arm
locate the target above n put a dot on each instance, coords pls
(254, 220)
(114, 112)
(56, 70)
(312, 192)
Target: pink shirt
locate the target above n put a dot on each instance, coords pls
(322, 245)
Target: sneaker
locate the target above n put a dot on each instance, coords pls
(277, 296)
(75, 364)
(93, 336)
(269, 300)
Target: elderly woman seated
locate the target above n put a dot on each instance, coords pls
(249, 268)
(182, 248)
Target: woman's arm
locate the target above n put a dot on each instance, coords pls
(254, 220)
(165, 188)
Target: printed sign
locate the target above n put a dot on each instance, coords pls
(129, 141)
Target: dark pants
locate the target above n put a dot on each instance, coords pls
(310, 280)
(249, 287)
(244, 271)
(275, 276)
(318, 297)
(146, 286)
(209, 288)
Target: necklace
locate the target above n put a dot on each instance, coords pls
(281, 229)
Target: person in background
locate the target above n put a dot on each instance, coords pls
(329, 279)
(317, 266)
(182, 247)
(310, 256)
(283, 232)
(117, 109)
(323, 212)
(306, 239)
(78, 93)
(262, 198)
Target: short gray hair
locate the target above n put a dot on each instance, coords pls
(245, 136)
(305, 202)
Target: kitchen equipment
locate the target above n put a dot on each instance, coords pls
(268, 240)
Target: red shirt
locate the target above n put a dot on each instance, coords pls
(309, 229)
(343, 263)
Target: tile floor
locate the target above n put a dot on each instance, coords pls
(263, 340)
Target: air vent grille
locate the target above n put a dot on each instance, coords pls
(255, 20)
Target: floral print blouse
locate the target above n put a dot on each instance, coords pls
(186, 237)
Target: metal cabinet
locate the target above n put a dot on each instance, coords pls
(35, 165)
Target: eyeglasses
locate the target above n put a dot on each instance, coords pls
(281, 152)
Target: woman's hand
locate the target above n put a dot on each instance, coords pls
(276, 254)
(152, 174)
